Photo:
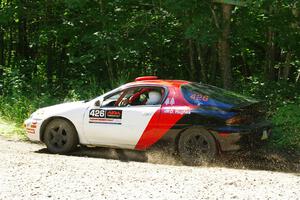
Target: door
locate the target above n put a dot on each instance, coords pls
(122, 118)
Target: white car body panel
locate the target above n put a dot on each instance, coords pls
(125, 133)
(72, 111)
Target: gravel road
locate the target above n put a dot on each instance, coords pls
(28, 172)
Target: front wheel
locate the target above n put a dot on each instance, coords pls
(60, 136)
(197, 147)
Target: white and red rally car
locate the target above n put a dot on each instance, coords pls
(200, 120)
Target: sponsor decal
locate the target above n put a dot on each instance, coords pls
(101, 116)
(115, 114)
(179, 111)
(30, 130)
(31, 127)
(182, 112)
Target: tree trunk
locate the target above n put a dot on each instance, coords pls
(110, 67)
(49, 64)
(298, 77)
(2, 61)
(246, 71)
(22, 50)
(213, 64)
(202, 63)
(62, 62)
(10, 47)
(269, 71)
(192, 70)
(107, 48)
(287, 66)
(270, 56)
(224, 47)
(2, 46)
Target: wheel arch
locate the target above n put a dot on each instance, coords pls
(48, 120)
(198, 128)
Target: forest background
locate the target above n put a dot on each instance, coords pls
(60, 50)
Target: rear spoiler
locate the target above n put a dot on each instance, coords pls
(258, 105)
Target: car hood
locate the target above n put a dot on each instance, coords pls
(58, 109)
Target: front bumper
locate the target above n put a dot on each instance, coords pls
(246, 137)
(32, 127)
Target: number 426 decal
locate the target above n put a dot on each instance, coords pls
(100, 113)
(97, 113)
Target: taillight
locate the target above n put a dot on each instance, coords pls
(235, 120)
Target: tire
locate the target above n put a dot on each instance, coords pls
(60, 137)
(197, 147)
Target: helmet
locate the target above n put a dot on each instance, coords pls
(154, 98)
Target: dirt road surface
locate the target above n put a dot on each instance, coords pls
(27, 171)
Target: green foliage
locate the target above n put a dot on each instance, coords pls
(62, 50)
(11, 129)
(287, 126)
(274, 94)
(19, 107)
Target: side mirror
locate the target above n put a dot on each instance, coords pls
(98, 103)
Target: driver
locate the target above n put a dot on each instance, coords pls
(124, 102)
(154, 98)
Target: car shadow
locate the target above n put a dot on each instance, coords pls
(260, 159)
(123, 155)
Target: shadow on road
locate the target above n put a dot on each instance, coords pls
(107, 153)
(262, 159)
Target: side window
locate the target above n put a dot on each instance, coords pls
(111, 101)
(136, 97)
(143, 96)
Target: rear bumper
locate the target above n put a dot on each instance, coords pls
(245, 137)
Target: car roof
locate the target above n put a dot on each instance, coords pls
(159, 82)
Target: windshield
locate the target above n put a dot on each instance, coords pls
(105, 94)
(202, 94)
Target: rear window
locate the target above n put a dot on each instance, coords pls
(201, 94)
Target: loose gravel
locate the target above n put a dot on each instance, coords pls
(28, 172)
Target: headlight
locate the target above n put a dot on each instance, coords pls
(38, 114)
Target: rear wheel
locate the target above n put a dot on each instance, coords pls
(197, 147)
(60, 136)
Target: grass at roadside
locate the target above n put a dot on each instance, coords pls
(12, 130)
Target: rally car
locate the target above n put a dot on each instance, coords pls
(200, 120)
